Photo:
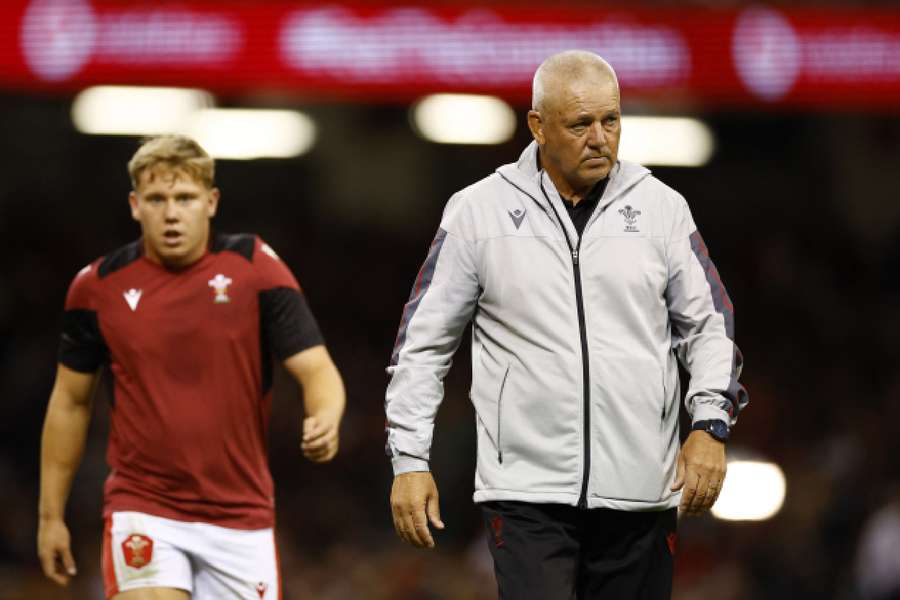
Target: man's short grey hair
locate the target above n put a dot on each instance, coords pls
(567, 65)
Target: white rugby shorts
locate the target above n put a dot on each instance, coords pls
(210, 562)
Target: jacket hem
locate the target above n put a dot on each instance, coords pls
(571, 499)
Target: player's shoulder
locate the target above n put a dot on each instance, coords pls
(107, 264)
(247, 245)
(118, 259)
(90, 278)
(244, 245)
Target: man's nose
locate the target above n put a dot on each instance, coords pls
(171, 211)
(597, 135)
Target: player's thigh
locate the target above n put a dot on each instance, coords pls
(236, 564)
(153, 594)
(143, 552)
(535, 548)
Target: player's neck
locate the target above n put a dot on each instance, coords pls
(176, 263)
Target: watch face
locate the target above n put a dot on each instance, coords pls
(719, 430)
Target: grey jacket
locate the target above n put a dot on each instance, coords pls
(574, 375)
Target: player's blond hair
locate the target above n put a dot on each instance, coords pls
(175, 152)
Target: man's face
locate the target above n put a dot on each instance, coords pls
(578, 132)
(174, 210)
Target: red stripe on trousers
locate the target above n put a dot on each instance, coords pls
(277, 565)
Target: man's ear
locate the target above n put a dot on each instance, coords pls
(214, 196)
(536, 125)
(133, 203)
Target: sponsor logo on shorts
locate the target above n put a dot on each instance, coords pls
(138, 550)
(262, 588)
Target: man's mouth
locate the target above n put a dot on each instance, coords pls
(171, 237)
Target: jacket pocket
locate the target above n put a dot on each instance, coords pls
(628, 429)
(489, 375)
(500, 416)
(665, 398)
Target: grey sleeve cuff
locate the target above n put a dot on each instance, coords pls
(408, 464)
(710, 412)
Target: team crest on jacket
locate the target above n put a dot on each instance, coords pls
(261, 588)
(220, 284)
(138, 550)
(631, 216)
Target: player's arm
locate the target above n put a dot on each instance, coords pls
(294, 338)
(62, 447)
(440, 306)
(702, 319)
(323, 401)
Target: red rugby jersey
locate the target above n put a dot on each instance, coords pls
(190, 356)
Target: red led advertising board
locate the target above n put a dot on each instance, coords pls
(754, 56)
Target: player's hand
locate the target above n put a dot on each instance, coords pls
(55, 552)
(700, 471)
(320, 439)
(414, 502)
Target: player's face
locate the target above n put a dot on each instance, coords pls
(174, 210)
(578, 132)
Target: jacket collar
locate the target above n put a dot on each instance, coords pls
(526, 175)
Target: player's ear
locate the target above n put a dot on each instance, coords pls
(536, 125)
(213, 202)
(133, 203)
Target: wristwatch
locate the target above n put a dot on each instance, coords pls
(715, 427)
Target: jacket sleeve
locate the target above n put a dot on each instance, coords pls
(440, 306)
(702, 319)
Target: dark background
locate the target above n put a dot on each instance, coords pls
(800, 210)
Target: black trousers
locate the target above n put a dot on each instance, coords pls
(558, 552)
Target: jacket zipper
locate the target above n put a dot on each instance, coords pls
(582, 328)
(499, 407)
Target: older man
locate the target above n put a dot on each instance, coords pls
(584, 277)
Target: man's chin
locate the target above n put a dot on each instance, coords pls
(174, 256)
(592, 175)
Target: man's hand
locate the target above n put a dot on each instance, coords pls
(323, 401)
(413, 496)
(320, 438)
(700, 471)
(54, 551)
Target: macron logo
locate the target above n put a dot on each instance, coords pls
(517, 216)
(132, 297)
